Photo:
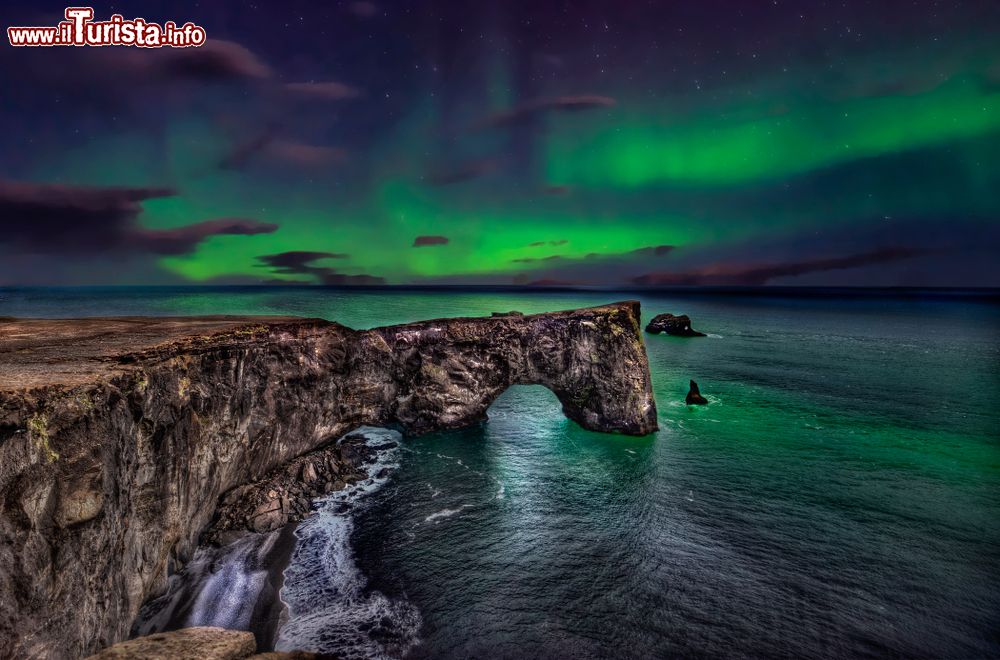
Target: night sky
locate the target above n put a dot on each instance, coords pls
(700, 142)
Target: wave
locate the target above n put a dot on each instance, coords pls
(445, 513)
(329, 608)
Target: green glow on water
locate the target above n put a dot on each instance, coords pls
(847, 465)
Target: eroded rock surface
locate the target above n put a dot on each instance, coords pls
(286, 493)
(198, 643)
(118, 436)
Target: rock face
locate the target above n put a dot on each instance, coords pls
(694, 397)
(118, 436)
(286, 493)
(677, 326)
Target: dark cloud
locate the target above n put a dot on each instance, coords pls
(62, 219)
(293, 261)
(644, 252)
(267, 148)
(183, 240)
(301, 154)
(547, 281)
(238, 157)
(363, 9)
(581, 102)
(529, 109)
(654, 251)
(217, 60)
(239, 279)
(128, 68)
(761, 274)
(339, 279)
(329, 90)
(425, 241)
(301, 262)
(529, 260)
(464, 172)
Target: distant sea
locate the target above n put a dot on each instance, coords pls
(838, 497)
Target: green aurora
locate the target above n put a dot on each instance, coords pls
(748, 169)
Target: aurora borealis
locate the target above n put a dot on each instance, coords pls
(578, 143)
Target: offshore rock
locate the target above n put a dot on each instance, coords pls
(676, 326)
(118, 436)
(694, 397)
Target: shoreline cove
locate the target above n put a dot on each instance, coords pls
(330, 607)
(245, 585)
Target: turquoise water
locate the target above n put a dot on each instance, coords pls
(839, 496)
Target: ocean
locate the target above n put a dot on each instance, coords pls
(839, 496)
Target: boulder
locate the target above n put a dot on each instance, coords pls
(199, 643)
(676, 326)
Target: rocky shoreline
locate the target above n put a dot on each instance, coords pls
(119, 436)
(253, 533)
(286, 494)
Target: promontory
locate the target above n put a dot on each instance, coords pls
(119, 435)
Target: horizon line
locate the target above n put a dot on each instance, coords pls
(749, 290)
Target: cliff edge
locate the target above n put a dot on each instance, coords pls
(118, 436)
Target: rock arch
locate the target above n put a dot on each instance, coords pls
(592, 359)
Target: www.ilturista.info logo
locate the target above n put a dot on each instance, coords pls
(80, 29)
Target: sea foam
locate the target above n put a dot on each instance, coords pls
(329, 607)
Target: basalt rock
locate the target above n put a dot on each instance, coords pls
(286, 493)
(118, 436)
(694, 397)
(676, 326)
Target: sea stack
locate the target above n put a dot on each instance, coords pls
(694, 397)
(676, 326)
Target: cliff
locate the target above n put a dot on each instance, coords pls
(118, 436)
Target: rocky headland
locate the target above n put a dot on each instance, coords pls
(120, 438)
